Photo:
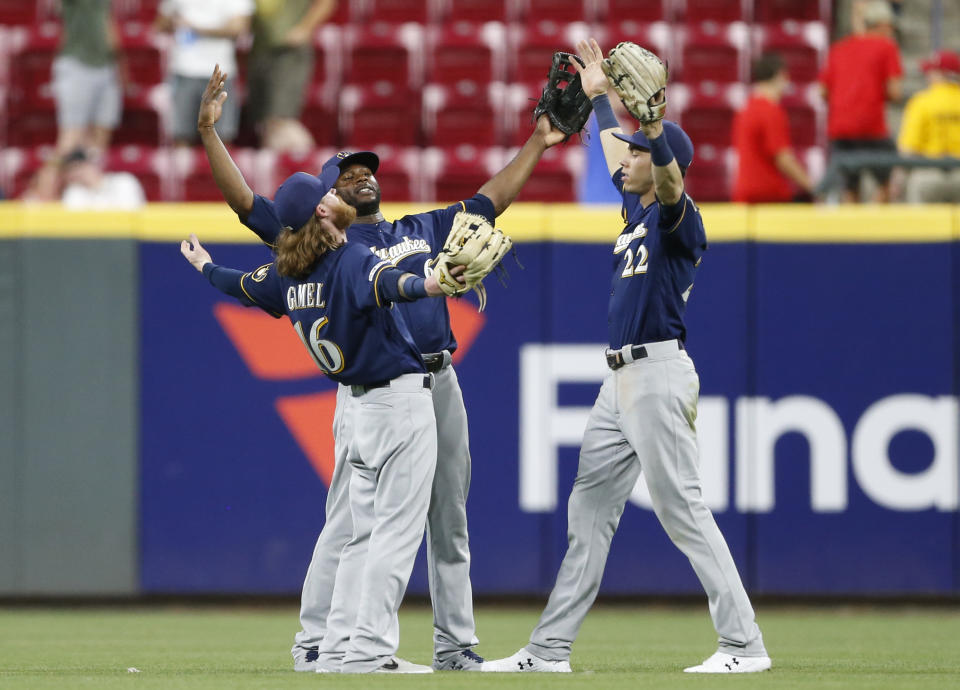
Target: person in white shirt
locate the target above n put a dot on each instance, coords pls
(205, 34)
(88, 187)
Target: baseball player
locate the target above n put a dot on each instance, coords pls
(332, 291)
(643, 419)
(411, 243)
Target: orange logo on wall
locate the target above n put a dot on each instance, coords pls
(273, 352)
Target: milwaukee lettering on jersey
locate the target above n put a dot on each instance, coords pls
(626, 238)
(305, 296)
(400, 251)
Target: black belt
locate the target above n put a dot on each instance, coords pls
(615, 359)
(433, 361)
(358, 390)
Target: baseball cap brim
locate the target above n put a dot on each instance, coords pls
(344, 159)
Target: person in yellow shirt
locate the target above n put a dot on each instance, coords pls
(931, 127)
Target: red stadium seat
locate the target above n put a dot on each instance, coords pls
(152, 167)
(192, 179)
(320, 115)
(531, 47)
(31, 59)
(696, 11)
(273, 168)
(519, 102)
(463, 51)
(776, 11)
(806, 114)
(706, 111)
(379, 114)
(139, 10)
(33, 121)
(465, 113)
(558, 10)
(141, 54)
(457, 173)
(556, 174)
(713, 52)
(395, 11)
(660, 37)
(473, 10)
(802, 45)
(709, 176)
(631, 10)
(18, 12)
(342, 14)
(384, 52)
(328, 59)
(140, 123)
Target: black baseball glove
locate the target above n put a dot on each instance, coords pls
(563, 99)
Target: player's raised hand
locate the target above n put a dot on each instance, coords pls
(550, 134)
(194, 252)
(592, 78)
(211, 103)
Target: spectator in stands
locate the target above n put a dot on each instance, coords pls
(862, 72)
(761, 135)
(205, 34)
(931, 127)
(87, 186)
(86, 86)
(281, 64)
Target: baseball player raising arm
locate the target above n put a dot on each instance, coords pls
(644, 417)
(333, 292)
(411, 243)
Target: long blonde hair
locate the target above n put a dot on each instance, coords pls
(298, 251)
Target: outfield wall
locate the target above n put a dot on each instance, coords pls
(158, 438)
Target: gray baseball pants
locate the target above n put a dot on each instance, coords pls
(644, 420)
(392, 454)
(448, 548)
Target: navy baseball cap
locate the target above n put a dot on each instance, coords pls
(679, 142)
(297, 198)
(344, 159)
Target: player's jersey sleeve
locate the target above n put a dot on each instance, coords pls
(361, 271)
(263, 220)
(443, 218)
(264, 288)
(681, 222)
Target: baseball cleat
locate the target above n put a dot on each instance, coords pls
(398, 665)
(524, 661)
(721, 662)
(305, 658)
(464, 660)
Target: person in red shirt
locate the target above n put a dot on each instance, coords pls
(766, 164)
(862, 72)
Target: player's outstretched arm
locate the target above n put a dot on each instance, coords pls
(227, 280)
(503, 187)
(595, 85)
(667, 178)
(226, 174)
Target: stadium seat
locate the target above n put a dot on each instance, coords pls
(192, 179)
(657, 36)
(472, 11)
(697, 11)
(709, 176)
(139, 10)
(379, 114)
(457, 173)
(32, 122)
(465, 113)
(802, 46)
(384, 52)
(556, 174)
(273, 168)
(776, 11)
(31, 51)
(713, 52)
(342, 13)
(18, 12)
(141, 120)
(531, 47)
(806, 113)
(151, 166)
(328, 56)
(141, 54)
(463, 51)
(519, 101)
(706, 111)
(396, 11)
(557, 10)
(631, 10)
(319, 115)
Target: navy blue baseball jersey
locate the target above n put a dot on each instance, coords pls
(409, 243)
(338, 312)
(655, 261)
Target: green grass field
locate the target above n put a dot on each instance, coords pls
(619, 647)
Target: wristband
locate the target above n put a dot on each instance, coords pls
(413, 288)
(660, 152)
(605, 117)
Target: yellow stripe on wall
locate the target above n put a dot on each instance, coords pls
(524, 222)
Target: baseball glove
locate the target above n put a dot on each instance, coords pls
(563, 99)
(473, 242)
(640, 79)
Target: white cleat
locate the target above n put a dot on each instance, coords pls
(305, 659)
(721, 662)
(398, 665)
(524, 661)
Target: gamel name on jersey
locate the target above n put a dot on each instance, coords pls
(305, 296)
